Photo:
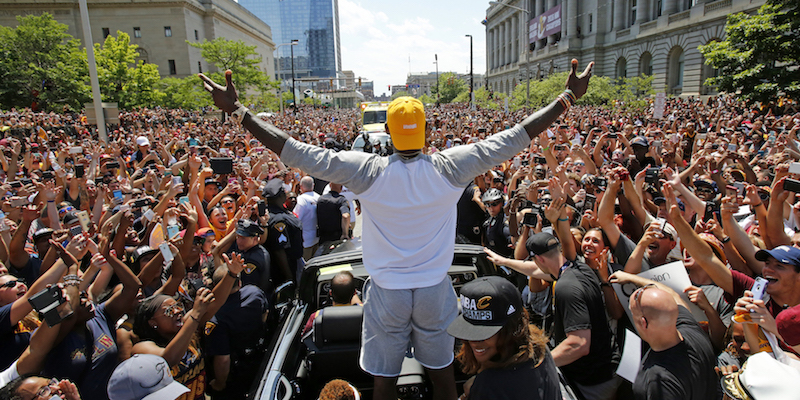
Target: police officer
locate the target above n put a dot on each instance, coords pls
(246, 240)
(471, 215)
(235, 336)
(496, 235)
(284, 233)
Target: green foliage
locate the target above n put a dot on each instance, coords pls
(129, 82)
(400, 94)
(450, 87)
(43, 64)
(425, 99)
(236, 56)
(626, 93)
(186, 93)
(760, 56)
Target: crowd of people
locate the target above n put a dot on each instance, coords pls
(170, 238)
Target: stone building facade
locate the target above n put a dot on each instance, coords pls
(161, 28)
(623, 37)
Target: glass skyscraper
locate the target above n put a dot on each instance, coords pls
(313, 23)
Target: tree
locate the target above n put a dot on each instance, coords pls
(425, 99)
(400, 94)
(449, 87)
(186, 93)
(236, 56)
(760, 55)
(42, 65)
(123, 79)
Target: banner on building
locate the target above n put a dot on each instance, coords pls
(546, 24)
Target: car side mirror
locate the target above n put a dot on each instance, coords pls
(284, 294)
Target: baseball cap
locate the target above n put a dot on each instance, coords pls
(788, 322)
(212, 181)
(143, 377)
(784, 254)
(245, 227)
(541, 243)
(486, 305)
(41, 233)
(707, 183)
(640, 141)
(762, 378)
(142, 141)
(141, 251)
(666, 227)
(70, 218)
(202, 232)
(274, 188)
(406, 121)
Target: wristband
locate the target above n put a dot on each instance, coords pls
(563, 219)
(232, 275)
(546, 148)
(238, 115)
(194, 318)
(726, 239)
(51, 201)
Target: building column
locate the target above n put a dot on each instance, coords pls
(619, 14)
(514, 39)
(489, 50)
(566, 6)
(643, 11)
(670, 7)
(550, 4)
(502, 43)
(509, 42)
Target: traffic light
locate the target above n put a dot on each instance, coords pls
(359, 82)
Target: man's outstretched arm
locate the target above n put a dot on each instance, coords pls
(226, 98)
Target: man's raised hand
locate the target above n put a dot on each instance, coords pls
(579, 83)
(225, 97)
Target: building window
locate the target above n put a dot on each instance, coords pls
(196, 35)
(172, 70)
(591, 21)
(199, 66)
(646, 64)
(137, 32)
(168, 31)
(675, 69)
(106, 32)
(659, 5)
(622, 68)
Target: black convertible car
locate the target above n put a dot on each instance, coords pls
(296, 367)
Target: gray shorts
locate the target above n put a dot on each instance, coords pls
(396, 320)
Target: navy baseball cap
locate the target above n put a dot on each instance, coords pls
(486, 305)
(245, 227)
(783, 254)
(541, 243)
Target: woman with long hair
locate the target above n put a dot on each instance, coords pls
(508, 355)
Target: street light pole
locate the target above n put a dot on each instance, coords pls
(294, 99)
(436, 56)
(279, 72)
(527, 51)
(471, 94)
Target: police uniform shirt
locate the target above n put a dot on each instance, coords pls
(285, 232)
(257, 266)
(330, 208)
(234, 329)
(498, 236)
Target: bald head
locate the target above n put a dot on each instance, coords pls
(336, 187)
(655, 315)
(306, 184)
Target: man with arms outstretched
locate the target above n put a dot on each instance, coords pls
(409, 223)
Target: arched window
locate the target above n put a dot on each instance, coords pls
(646, 64)
(675, 70)
(621, 70)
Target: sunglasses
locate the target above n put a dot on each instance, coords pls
(227, 201)
(494, 203)
(637, 295)
(9, 284)
(173, 310)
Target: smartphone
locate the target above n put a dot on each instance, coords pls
(589, 202)
(794, 168)
(740, 188)
(47, 175)
(601, 182)
(184, 200)
(173, 231)
(759, 288)
(118, 196)
(176, 180)
(612, 136)
(222, 165)
(731, 147)
(80, 170)
(531, 218)
(262, 208)
(75, 231)
(76, 150)
(83, 217)
(26, 181)
(47, 302)
(791, 185)
(540, 160)
(701, 136)
(19, 202)
(651, 175)
(112, 164)
(141, 203)
(166, 252)
(149, 214)
(16, 184)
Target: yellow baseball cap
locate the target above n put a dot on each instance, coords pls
(406, 121)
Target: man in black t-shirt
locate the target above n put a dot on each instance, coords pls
(586, 351)
(333, 216)
(680, 362)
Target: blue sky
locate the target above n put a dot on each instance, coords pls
(377, 37)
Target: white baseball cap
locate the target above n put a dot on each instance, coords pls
(144, 377)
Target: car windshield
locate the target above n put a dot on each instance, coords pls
(374, 117)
